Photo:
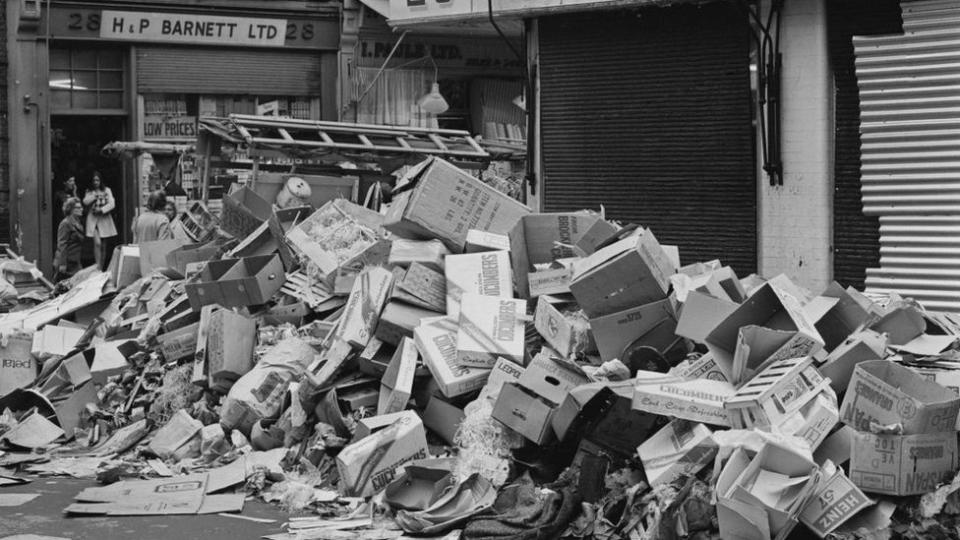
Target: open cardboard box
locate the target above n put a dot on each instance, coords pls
(439, 200)
(338, 214)
(835, 500)
(843, 359)
(680, 448)
(280, 223)
(769, 326)
(653, 325)
(761, 498)
(544, 238)
(243, 211)
(204, 288)
(561, 333)
(252, 281)
(368, 465)
(884, 392)
(776, 392)
(631, 272)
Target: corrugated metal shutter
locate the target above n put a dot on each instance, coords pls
(649, 114)
(856, 237)
(228, 71)
(910, 124)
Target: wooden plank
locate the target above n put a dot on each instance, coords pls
(285, 134)
(365, 140)
(436, 140)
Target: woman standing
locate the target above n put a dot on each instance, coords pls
(99, 220)
(153, 224)
(66, 261)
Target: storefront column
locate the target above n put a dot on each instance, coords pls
(796, 217)
(29, 122)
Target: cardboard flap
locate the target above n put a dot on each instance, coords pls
(926, 345)
(397, 382)
(701, 314)
(902, 325)
(755, 344)
(741, 521)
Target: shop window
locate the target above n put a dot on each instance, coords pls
(87, 79)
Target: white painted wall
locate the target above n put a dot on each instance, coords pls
(796, 219)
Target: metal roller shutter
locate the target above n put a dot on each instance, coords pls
(226, 71)
(856, 237)
(649, 114)
(910, 144)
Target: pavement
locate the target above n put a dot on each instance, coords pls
(44, 516)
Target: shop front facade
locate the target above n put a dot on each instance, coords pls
(91, 73)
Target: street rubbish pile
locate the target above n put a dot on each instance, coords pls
(456, 365)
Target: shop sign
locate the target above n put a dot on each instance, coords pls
(474, 54)
(415, 9)
(183, 28)
(87, 23)
(469, 10)
(169, 127)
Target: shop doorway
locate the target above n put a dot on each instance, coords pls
(75, 142)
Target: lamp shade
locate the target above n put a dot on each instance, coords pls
(433, 102)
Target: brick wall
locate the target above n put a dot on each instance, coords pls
(4, 134)
(796, 218)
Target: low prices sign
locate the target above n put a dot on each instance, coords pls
(192, 28)
(158, 127)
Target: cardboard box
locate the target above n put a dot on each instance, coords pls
(180, 343)
(768, 326)
(699, 400)
(257, 244)
(842, 360)
(562, 334)
(243, 211)
(18, 368)
(653, 325)
(429, 253)
(490, 327)
(835, 500)
(439, 200)
(701, 367)
(815, 420)
(761, 498)
(398, 320)
(396, 386)
(552, 281)
(424, 287)
(366, 301)
(154, 254)
(231, 338)
(368, 465)
(552, 379)
(701, 314)
(372, 424)
(480, 241)
(52, 341)
(903, 464)
(631, 272)
(486, 274)
(364, 225)
(602, 413)
(524, 412)
(252, 281)
(503, 371)
(845, 316)
(173, 435)
(779, 390)
(543, 238)
(280, 223)
(204, 288)
(885, 393)
(437, 343)
(443, 418)
(679, 448)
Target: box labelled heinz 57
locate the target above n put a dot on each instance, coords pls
(903, 464)
(885, 393)
(442, 201)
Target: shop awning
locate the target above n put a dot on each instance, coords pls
(477, 12)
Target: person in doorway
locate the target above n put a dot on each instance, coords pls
(99, 199)
(70, 237)
(176, 226)
(153, 224)
(67, 191)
